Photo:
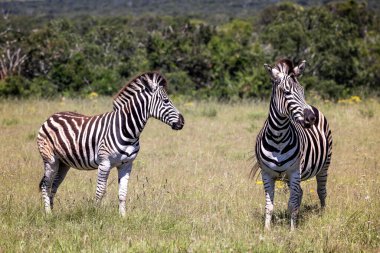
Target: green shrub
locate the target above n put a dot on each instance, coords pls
(180, 83)
(105, 81)
(15, 86)
(41, 87)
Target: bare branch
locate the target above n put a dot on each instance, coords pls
(10, 62)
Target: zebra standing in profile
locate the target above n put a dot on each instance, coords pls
(69, 139)
(295, 143)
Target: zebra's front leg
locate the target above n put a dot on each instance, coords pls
(104, 169)
(321, 186)
(124, 172)
(295, 198)
(301, 194)
(268, 182)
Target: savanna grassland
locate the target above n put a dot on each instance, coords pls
(190, 190)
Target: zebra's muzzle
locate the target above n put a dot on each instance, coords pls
(179, 124)
(309, 118)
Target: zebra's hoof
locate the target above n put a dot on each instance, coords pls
(122, 211)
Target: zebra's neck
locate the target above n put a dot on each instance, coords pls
(133, 115)
(279, 127)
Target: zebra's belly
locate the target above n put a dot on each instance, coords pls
(91, 164)
(115, 158)
(280, 170)
(283, 168)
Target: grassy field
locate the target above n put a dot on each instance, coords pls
(190, 189)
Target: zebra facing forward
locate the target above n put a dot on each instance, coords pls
(69, 139)
(295, 143)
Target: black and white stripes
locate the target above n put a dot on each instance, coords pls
(295, 143)
(69, 139)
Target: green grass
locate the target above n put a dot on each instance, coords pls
(189, 189)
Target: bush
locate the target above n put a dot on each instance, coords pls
(180, 83)
(105, 81)
(15, 86)
(41, 87)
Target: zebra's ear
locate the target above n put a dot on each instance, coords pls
(298, 70)
(268, 68)
(274, 73)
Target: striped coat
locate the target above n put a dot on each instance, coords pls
(104, 141)
(295, 142)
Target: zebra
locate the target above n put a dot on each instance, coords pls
(295, 142)
(69, 139)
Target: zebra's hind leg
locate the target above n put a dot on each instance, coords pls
(321, 186)
(268, 182)
(101, 185)
(58, 178)
(51, 169)
(301, 194)
(124, 172)
(295, 198)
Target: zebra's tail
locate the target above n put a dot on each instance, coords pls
(255, 168)
(41, 183)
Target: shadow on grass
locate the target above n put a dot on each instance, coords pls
(85, 209)
(282, 217)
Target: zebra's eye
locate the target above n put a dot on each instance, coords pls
(286, 89)
(166, 100)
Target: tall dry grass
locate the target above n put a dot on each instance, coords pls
(190, 189)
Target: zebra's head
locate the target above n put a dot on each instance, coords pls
(288, 95)
(160, 106)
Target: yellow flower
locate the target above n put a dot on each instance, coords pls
(351, 100)
(280, 184)
(189, 104)
(355, 99)
(92, 95)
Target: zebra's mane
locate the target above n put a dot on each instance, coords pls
(140, 83)
(285, 66)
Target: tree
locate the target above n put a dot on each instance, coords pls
(11, 56)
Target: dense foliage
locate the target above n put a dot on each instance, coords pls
(210, 9)
(84, 54)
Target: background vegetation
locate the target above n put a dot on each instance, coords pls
(217, 52)
(189, 190)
